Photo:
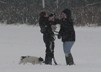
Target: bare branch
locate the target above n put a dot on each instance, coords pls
(92, 4)
(3, 2)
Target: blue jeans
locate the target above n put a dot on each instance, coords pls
(67, 47)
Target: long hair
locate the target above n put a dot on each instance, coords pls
(69, 15)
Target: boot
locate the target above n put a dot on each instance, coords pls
(69, 59)
(48, 59)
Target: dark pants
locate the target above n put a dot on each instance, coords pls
(49, 43)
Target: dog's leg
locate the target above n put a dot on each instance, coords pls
(24, 63)
(20, 62)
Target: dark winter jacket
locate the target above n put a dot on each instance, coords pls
(45, 26)
(67, 31)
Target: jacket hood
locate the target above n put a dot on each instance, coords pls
(67, 12)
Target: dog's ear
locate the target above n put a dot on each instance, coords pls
(40, 59)
(22, 57)
(28, 56)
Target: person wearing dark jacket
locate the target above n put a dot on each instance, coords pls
(67, 33)
(48, 35)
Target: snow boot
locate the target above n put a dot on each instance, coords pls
(48, 59)
(69, 59)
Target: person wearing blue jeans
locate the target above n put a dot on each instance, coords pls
(67, 33)
(67, 47)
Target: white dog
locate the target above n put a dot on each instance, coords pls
(31, 59)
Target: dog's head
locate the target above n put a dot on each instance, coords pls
(23, 57)
(41, 59)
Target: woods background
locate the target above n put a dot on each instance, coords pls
(84, 12)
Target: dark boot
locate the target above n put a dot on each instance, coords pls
(69, 60)
(48, 59)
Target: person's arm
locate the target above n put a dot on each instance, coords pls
(42, 26)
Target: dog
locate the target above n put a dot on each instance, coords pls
(31, 59)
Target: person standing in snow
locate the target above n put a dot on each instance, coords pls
(45, 23)
(67, 33)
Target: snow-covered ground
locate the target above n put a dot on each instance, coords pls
(16, 41)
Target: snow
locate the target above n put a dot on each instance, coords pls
(19, 40)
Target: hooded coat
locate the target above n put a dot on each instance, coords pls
(67, 31)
